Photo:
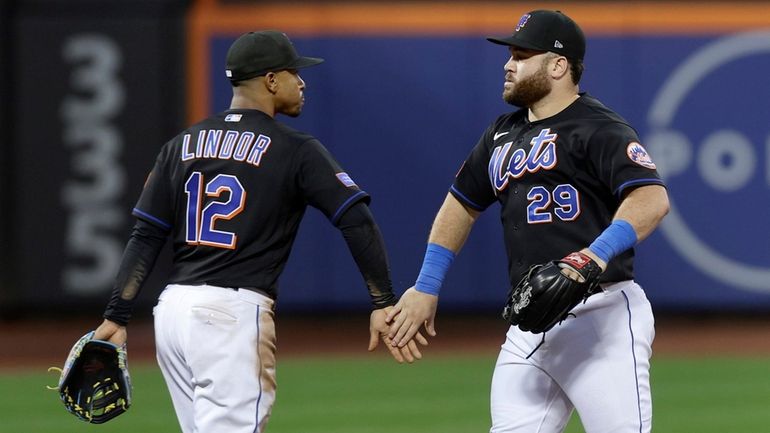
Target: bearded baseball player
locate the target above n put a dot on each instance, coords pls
(230, 192)
(577, 191)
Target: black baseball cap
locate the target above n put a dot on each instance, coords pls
(257, 53)
(544, 30)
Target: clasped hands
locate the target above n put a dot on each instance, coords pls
(399, 325)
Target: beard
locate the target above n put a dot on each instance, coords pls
(529, 90)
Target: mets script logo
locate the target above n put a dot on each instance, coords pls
(522, 22)
(542, 154)
(639, 155)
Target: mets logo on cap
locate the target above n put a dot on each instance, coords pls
(522, 21)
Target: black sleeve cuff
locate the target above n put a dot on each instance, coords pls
(119, 310)
(465, 200)
(360, 196)
(384, 300)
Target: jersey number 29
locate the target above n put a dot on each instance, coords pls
(565, 200)
(200, 222)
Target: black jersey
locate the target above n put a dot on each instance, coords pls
(559, 181)
(232, 191)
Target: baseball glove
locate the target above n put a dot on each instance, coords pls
(94, 384)
(544, 296)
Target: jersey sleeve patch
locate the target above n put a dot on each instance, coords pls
(345, 179)
(638, 154)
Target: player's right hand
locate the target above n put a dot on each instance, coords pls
(413, 310)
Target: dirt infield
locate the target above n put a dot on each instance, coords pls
(44, 343)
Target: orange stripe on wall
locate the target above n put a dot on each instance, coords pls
(458, 18)
(463, 17)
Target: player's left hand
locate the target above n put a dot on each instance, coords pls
(575, 275)
(379, 328)
(547, 292)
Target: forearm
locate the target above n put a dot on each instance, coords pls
(139, 258)
(367, 247)
(450, 230)
(644, 208)
(637, 216)
(452, 224)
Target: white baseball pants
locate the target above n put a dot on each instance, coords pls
(597, 362)
(216, 349)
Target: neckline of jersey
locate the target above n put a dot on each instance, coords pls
(556, 116)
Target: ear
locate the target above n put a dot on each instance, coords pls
(271, 82)
(559, 67)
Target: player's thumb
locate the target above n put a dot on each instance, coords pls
(430, 326)
(374, 339)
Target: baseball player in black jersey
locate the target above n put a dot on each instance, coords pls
(573, 182)
(230, 192)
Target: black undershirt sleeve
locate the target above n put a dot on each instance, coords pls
(368, 249)
(139, 258)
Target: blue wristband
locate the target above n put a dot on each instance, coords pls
(434, 268)
(615, 239)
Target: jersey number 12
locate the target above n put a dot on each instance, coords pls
(200, 222)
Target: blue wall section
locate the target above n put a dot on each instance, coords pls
(401, 114)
